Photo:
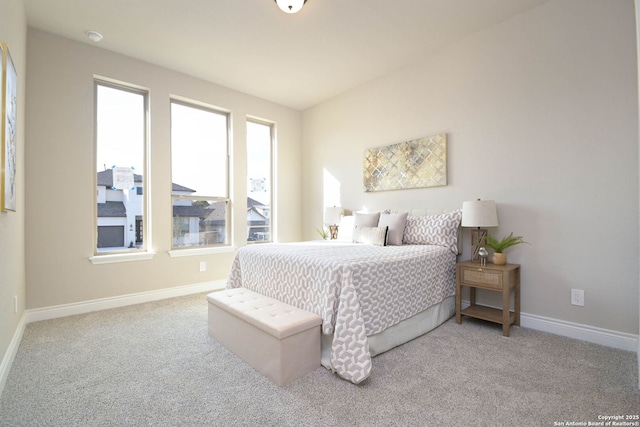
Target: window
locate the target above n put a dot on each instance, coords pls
(199, 173)
(120, 167)
(259, 181)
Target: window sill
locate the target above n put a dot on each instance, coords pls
(201, 251)
(113, 258)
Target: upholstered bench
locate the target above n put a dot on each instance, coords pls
(280, 341)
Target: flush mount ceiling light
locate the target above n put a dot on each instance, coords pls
(290, 6)
(94, 36)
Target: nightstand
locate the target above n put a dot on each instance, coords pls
(500, 278)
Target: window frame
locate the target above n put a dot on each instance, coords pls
(272, 177)
(127, 254)
(199, 249)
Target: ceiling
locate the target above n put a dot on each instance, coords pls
(251, 46)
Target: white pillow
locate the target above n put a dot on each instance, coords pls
(367, 219)
(396, 223)
(370, 235)
(345, 229)
(441, 230)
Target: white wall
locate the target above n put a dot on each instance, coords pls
(541, 112)
(13, 30)
(60, 151)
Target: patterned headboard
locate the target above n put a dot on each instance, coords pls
(431, 211)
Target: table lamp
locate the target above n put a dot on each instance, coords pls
(479, 214)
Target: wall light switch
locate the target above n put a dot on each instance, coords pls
(203, 266)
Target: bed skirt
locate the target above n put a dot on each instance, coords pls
(402, 332)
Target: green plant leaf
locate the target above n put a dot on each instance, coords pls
(500, 245)
(323, 233)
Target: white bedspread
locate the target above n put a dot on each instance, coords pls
(357, 289)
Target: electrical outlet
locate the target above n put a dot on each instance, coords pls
(203, 266)
(577, 297)
(15, 304)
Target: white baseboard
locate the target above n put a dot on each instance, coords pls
(606, 337)
(46, 313)
(10, 354)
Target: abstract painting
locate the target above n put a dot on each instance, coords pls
(9, 130)
(417, 163)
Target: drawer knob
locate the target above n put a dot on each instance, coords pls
(480, 270)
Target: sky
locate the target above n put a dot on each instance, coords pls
(120, 129)
(198, 144)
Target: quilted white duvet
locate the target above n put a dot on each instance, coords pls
(357, 289)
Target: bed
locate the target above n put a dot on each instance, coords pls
(370, 297)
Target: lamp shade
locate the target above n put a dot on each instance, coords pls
(332, 215)
(479, 213)
(290, 6)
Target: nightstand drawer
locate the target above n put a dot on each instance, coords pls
(483, 277)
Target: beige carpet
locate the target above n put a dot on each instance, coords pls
(155, 365)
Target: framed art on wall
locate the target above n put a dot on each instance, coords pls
(417, 163)
(9, 131)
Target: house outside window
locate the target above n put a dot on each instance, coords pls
(121, 129)
(200, 175)
(259, 181)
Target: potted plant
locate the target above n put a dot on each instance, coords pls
(323, 233)
(498, 246)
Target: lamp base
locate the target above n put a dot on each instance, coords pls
(477, 241)
(333, 230)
